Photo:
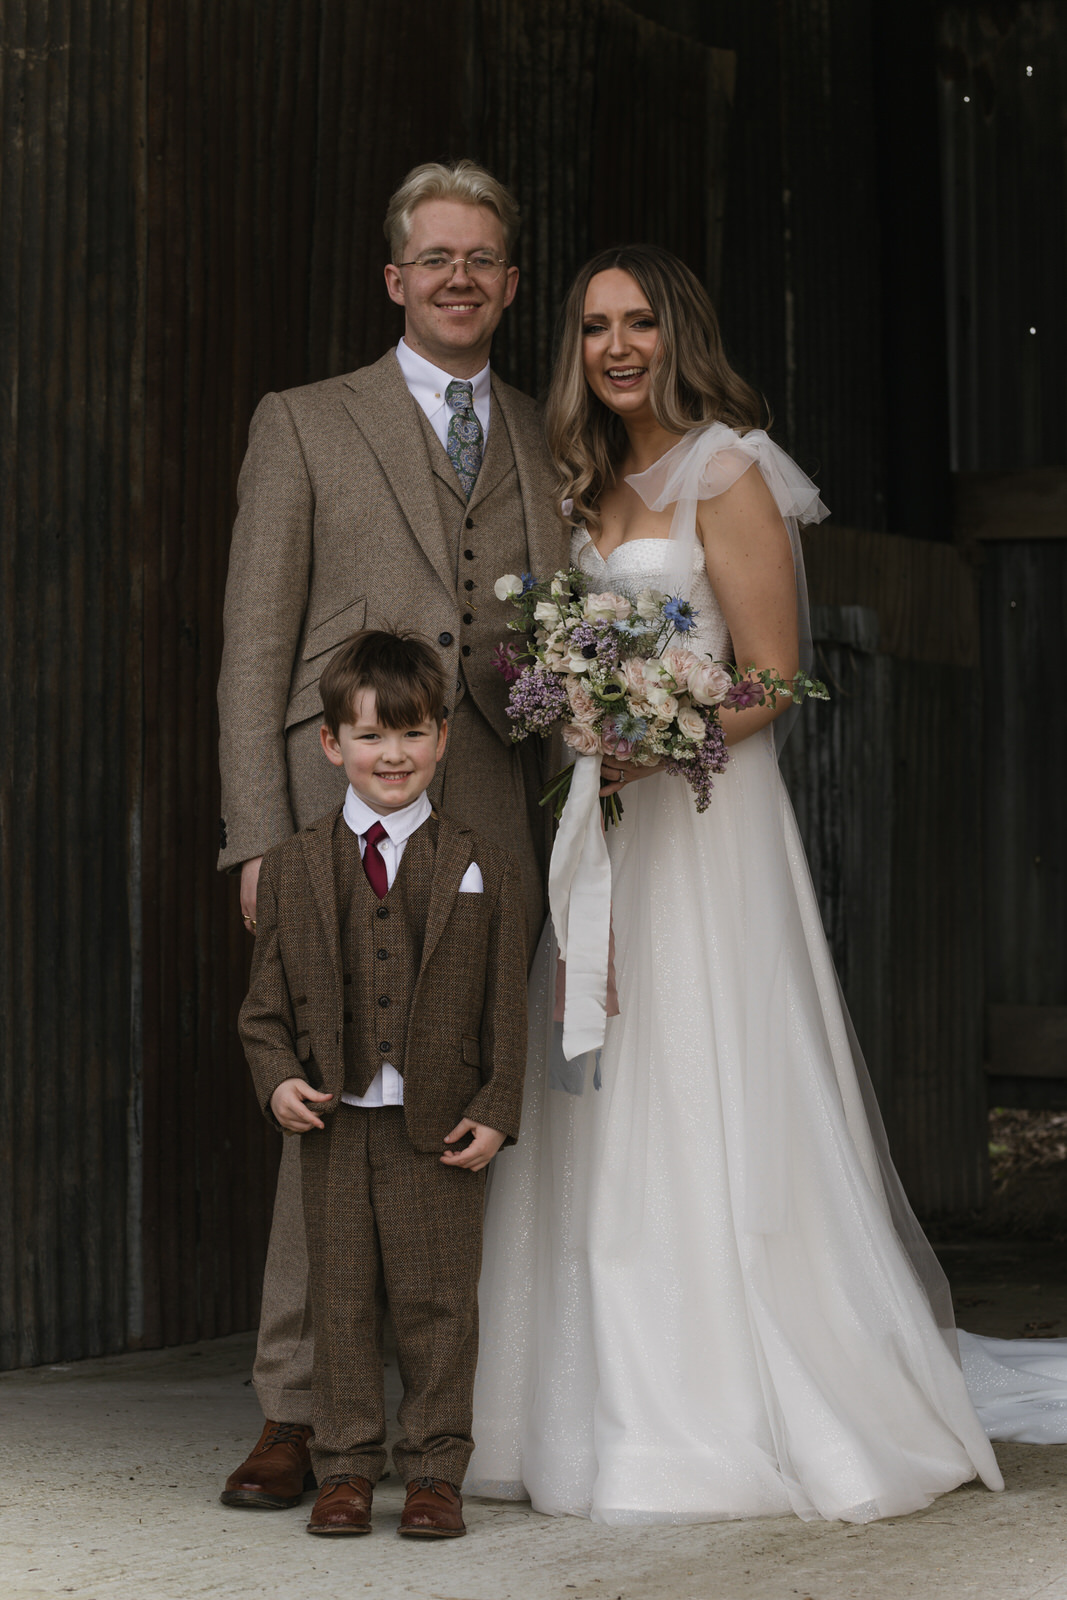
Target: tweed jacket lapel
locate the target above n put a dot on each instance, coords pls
(318, 857)
(451, 862)
(379, 404)
(546, 541)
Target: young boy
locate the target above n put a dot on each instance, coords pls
(386, 1023)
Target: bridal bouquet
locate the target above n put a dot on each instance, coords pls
(614, 669)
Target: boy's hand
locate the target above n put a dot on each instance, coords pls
(290, 1112)
(481, 1150)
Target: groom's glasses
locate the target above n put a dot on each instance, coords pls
(481, 266)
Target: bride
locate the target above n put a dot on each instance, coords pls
(703, 1294)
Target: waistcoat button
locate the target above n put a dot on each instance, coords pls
(467, 617)
(385, 1047)
(469, 522)
(468, 555)
(383, 1000)
(465, 650)
(444, 638)
(383, 911)
(468, 583)
(382, 955)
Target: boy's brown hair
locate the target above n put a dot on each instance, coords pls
(402, 669)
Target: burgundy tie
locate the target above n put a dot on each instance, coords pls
(373, 865)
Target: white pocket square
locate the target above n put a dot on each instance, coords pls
(471, 882)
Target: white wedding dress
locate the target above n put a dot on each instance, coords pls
(702, 1293)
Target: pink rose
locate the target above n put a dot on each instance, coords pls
(679, 664)
(583, 741)
(691, 723)
(583, 706)
(708, 683)
(605, 607)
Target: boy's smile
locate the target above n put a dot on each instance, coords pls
(387, 767)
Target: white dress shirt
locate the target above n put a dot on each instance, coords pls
(427, 384)
(387, 1087)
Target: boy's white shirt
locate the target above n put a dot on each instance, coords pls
(387, 1087)
(427, 385)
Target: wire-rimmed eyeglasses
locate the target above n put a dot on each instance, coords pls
(481, 265)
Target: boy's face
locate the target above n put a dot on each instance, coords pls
(387, 767)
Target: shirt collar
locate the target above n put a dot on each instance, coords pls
(399, 825)
(427, 383)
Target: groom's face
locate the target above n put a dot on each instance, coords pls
(450, 316)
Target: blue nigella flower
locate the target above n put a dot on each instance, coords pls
(528, 581)
(680, 613)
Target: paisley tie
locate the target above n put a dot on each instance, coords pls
(373, 865)
(465, 441)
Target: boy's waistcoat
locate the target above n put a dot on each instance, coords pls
(381, 950)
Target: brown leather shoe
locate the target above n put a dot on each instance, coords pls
(276, 1473)
(343, 1506)
(432, 1510)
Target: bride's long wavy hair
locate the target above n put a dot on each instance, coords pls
(692, 381)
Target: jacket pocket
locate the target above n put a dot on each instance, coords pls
(472, 1052)
(335, 629)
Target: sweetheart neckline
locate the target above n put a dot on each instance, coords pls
(622, 545)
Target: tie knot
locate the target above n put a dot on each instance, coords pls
(460, 395)
(375, 833)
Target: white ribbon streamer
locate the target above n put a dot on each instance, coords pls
(579, 896)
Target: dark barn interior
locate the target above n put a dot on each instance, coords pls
(190, 214)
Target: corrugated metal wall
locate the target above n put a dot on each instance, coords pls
(190, 214)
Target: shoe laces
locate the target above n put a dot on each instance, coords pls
(284, 1433)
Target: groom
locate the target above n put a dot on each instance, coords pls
(395, 495)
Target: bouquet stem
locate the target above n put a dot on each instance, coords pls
(557, 789)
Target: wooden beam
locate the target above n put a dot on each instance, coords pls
(1011, 505)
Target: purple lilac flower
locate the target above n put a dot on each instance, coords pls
(505, 658)
(748, 692)
(537, 701)
(709, 758)
(596, 640)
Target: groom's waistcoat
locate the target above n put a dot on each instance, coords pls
(487, 537)
(381, 950)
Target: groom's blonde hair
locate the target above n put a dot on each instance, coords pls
(456, 180)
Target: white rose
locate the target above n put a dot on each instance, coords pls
(649, 604)
(600, 608)
(691, 723)
(708, 683)
(509, 587)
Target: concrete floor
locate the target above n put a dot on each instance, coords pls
(111, 1471)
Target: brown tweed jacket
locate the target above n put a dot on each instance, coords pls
(465, 1051)
(339, 527)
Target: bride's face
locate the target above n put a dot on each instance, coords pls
(620, 336)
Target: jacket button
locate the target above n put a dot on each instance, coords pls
(444, 639)
(383, 955)
(468, 583)
(467, 617)
(465, 650)
(383, 911)
(385, 1047)
(469, 522)
(468, 555)
(383, 1001)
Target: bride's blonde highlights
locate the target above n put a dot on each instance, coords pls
(693, 384)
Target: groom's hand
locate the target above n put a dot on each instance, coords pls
(249, 888)
(484, 1144)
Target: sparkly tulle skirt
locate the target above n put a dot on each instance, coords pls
(703, 1295)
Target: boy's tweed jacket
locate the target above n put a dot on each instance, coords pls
(465, 1050)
